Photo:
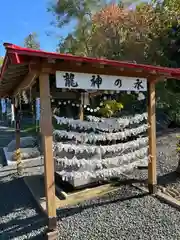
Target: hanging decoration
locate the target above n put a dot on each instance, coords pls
(38, 113)
(12, 114)
(86, 99)
(3, 105)
(91, 149)
(37, 109)
(94, 137)
(117, 161)
(20, 102)
(86, 160)
(123, 120)
(141, 96)
(102, 174)
(16, 101)
(24, 97)
(102, 124)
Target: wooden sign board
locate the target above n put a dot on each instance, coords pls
(74, 80)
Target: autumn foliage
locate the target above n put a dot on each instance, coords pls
(127, 34)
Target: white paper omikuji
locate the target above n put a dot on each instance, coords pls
(24, 97)
(141, 96)
(94, 137)
(137, 149)
(103, 124)
(141, 141)
(127, 120)
(103, 173)
(119, 160)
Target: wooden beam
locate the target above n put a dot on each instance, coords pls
(58, 94)
(152, 174)
(87, 68)
(46, 131)
(26, 83)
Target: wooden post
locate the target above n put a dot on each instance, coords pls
(152, 175)
(46, 131)
(17, 138)
(81, 113)
(81, 108)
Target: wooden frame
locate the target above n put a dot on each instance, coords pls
(152, 175)
(46, 132)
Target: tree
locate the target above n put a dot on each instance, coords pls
(148, 33)
(116, 32)
(81, 13)
(31, 41)
(111, 31)
(66, 11)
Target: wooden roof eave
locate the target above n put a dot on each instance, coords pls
(40, 61)
(11, 48)
(51, 68)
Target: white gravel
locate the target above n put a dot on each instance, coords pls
(125, 214)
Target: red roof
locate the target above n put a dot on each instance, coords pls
(19, 51)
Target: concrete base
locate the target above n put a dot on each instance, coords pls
(9, 155)
(78, 182)
(53, 235)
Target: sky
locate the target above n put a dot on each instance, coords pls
(21, 17)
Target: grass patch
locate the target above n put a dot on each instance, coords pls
(30, 129)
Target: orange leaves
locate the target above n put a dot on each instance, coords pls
(110, 14)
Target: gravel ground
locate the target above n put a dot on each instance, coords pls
(167, 162)
(125, 214)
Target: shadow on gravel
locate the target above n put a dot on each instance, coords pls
(167, 131)
(168, 178)
(19, 214)
(128, 181)
(18, 228)
(70, 211)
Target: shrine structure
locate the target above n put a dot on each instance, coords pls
(23, 67)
